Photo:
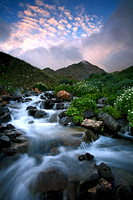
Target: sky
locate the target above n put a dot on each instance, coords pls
(58, 33)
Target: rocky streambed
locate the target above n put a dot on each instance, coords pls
(44, 156)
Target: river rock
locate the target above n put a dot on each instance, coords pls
(64, 96)
(59, 106)
(10, 127)
(62, 114)
(20, 147)
(30, 93)
(66, 121)
(4, 115)
(90, 180)
(86, 156)
(109, 122)
(102, 190)
(48, 104)
(88, 114)
(105, 172)
(40, 114)
(90, 136)
(31, 107)
(50, 180)
(17, 95)
(49, 94)
(123, 192)
(32, 112)
(92, 124)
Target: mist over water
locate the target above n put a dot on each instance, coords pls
(18, 178)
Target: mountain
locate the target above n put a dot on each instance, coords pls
(77, 71)
(17, 73)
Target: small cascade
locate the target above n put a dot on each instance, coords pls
(54, 149)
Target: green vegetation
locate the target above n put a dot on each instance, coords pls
(112, 111)
(79, 105)
(40, 86)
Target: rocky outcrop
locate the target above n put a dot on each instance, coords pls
(37, 113)
(64, 96)
(92, 124)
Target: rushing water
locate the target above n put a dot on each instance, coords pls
(17, 173)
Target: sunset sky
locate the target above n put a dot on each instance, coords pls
(57, 33)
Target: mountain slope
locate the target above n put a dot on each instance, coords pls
(17, 73)
(77, 71)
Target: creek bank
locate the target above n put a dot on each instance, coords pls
(99, 183)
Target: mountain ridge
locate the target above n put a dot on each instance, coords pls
(79, 70)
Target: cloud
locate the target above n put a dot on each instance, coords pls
(112, 48)
(54, 57)
(5, 31)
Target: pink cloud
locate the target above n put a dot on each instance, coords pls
(52, 21)
(39, 2)
(29, 13)
(50, 7)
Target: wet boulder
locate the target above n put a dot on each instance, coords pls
(49, 94)
(50, 180)
(59, 106)
(102, 190)
(92, 124)
(105, 172)
(31, 107)
(6, 97)
(31, 93)
(88, 114)
(66, 121)
(86, 156)
(17, 95)
(5, 115)
(109, 122)
(32, 112)
(64, 96)
(48, 104)
(40, 114)
(90, 136)
(10, 127)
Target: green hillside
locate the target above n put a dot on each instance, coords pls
(17, 73)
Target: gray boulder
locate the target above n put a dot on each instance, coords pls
(4, 115)
(109, 121)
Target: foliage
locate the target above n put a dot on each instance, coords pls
(130, 117)
(66, 81)
(94, 96)
(124, 102)
(79, 105)
(112, 111)
(84, 87)
(40, 86)
(111, 99)
(63, 86)
(77, 119)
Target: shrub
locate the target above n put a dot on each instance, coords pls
(124, 102)
(112, 111)
(66, 87)
(79, 105)
(84, 87)
(40, 86)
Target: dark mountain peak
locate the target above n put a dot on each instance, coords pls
(80, 70)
